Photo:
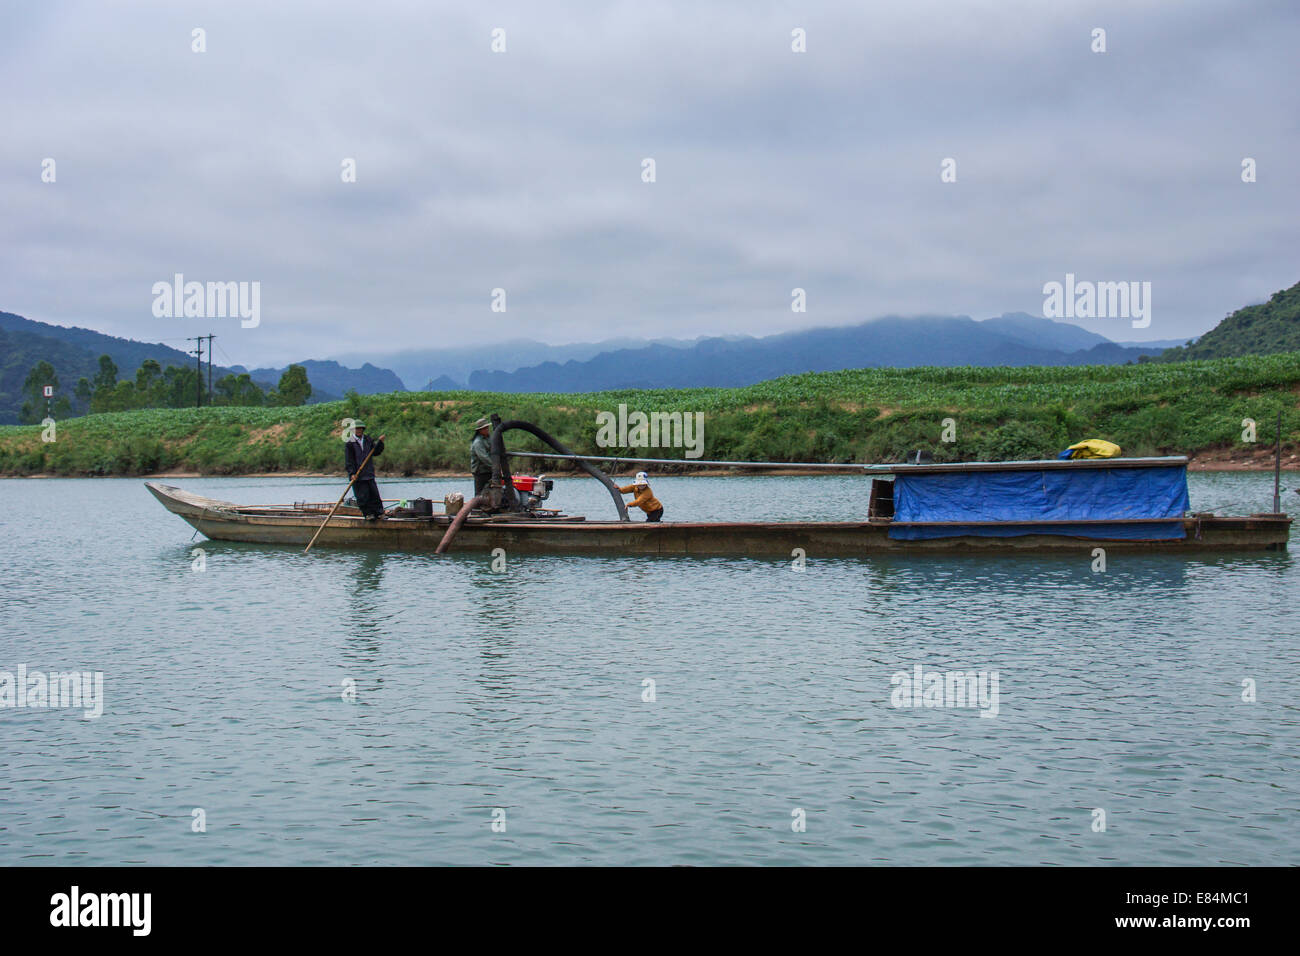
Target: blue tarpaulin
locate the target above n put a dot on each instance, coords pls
(1061, 494)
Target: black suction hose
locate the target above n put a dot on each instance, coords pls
(501, 467)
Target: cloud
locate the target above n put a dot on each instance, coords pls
(522, 170)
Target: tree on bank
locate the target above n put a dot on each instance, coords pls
(294, 389)
(147, 375)
(238, 390)
(106, 377)
(34, 404)
(180, 386)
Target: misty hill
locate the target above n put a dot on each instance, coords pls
(443, 383)
(1158, 345)
(128, 354)
(1013, 339)
(448, 369)
(75, 352)
(20, 350)
(1272, 326)
(334, 379)
(1037, 332)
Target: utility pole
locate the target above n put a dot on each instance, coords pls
(198, 369)
(210, 338)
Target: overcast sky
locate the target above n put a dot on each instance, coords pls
(522, 170)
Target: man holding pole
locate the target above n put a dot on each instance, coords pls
(360, 452)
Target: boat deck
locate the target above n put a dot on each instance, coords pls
(226, 521)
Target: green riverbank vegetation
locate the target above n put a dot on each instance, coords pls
(864, 415)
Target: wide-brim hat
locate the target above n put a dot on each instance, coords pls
(482, 423)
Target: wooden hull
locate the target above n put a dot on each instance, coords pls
(224, 521)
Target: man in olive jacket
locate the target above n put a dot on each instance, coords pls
(480, 456)
(357, 447)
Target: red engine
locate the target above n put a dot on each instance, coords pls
(532, 491)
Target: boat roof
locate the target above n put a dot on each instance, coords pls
(1049, 464)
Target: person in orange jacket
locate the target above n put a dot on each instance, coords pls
(644, 497)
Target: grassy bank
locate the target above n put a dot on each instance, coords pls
(861, 415)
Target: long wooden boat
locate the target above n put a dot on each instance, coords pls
(976, 506)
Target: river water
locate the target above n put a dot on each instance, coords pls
(504, 717)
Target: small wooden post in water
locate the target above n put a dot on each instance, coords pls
(1277, 467)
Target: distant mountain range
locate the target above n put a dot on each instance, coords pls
(1012, 339)
(522, 365)
(448, 369)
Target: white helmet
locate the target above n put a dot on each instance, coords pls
(641, 479)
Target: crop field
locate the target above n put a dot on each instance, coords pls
(862, 415)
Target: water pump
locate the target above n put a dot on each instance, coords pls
(532, 491)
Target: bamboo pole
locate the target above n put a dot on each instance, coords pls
(877, 469)
(699, 463)
(360, 468)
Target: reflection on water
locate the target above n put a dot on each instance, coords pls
(363, 606)
(526, 689)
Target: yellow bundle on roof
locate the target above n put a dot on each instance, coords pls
(1095, 448)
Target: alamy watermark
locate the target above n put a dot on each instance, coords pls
(922, 688)
(67, 689)
(656, 430)
(1098, 300)
(128, 910)
(208, 300)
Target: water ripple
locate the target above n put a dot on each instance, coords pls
(478, 693)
